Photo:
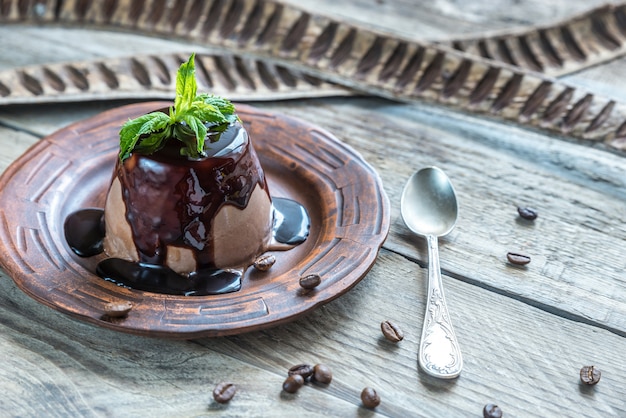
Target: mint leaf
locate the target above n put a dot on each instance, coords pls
(133, 129)
(153, 142)
(224, 105)
(209, 114)
(186, 86)
(197, 127)
(189, 120)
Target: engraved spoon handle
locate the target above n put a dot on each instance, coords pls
(439, 354)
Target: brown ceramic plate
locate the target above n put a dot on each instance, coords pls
(344, 196)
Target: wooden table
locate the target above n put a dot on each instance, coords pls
(525, 332)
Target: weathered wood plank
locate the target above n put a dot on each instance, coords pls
(575, 243)
(578, 192)
(522, 358)
(605, 79)
(13, 144)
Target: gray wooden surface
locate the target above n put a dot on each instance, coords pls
(525, 332)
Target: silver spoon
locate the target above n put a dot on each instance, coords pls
(429, 208)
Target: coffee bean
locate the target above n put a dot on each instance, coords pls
(117, 309)
(589, 375)
(391, 331)
(264, 262)
(224, 392)
(370, 398)
(529, 214)
(304, 370)
(310, 281)
(293, 383)
(322, 374)
(518, 259)
(492, 411)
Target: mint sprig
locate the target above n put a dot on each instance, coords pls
(189, 120)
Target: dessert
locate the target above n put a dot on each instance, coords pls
(188, 208)
(190, 214)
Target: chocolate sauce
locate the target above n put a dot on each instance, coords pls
(161, 279)
(291, 222)
(84, 232)
(291, 227)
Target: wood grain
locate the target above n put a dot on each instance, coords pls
(532, 171)
(525, 332)
(571, 212)
(487, 228)
(73, 368)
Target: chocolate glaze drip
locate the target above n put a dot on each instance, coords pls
(84, 232)
(291, 222)
(200, 187)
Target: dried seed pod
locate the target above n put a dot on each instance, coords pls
(518, 259)
(310, 281)
(117, 309)
(391, 331)
(264, 262)
(589, 375)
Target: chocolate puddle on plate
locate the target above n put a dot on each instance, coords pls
(84, 233)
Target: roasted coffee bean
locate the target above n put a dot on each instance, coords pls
(391, 331)
(224, 392)
(310, 281)
(264, 262)
(492, 411)
(117, 309)
(370, 398)
(589, 375)
(293, 383)
(518, 259)
(304, 370)
(322, 374)
(529, 214)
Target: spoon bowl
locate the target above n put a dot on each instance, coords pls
(429, 205)
(429, 208)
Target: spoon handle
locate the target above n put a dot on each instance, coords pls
(439, 354)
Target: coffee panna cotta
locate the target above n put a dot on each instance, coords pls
(190, 214)
(188, 209)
